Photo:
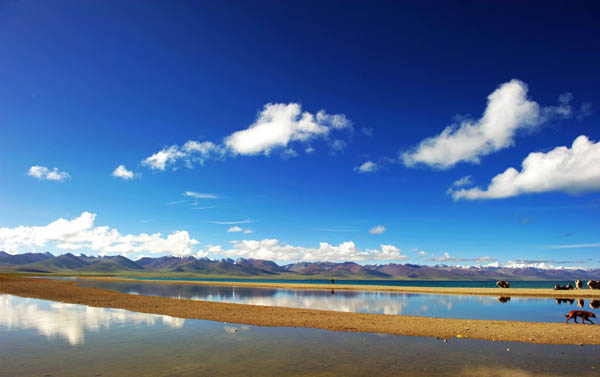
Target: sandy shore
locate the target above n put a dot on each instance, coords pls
(499, 292)
(531, 332)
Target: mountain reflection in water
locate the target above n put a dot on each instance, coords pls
(40, 338)
(378, 302)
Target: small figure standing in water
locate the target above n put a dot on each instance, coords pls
(332, 281)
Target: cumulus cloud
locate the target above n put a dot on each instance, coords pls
(82, 233)
(571, 170)
(42, 172)
(271, 249)
(279, 124)
(508, 111)
(367, 167)
(234, 229)
(379, 229)
(200, 195)
(122, 172)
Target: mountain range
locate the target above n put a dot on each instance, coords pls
(190, 266)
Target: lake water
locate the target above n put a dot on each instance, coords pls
(45, 338)
(395, 283)
(430, 305)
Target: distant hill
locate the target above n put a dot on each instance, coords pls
(190, 266)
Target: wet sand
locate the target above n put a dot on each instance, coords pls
(498, 292)
(529, 332)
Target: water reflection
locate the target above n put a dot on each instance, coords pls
(124, 344)
(392, 303)
(69, 321)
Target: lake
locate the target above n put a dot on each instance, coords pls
(429, 305)
(46, 338)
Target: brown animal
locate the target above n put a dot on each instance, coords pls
(595, 304)
(584, 314)
(593, 284)
(502, 284)
(580, 303)
(558, 287)
(503, 299)
(578, 284)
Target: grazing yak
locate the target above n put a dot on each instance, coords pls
(593, 284)
(578, 284)
(502, 284)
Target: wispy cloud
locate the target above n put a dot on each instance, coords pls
(200, 195)
(379, 229)
(574, 246)
(367, 167)
(247, 221)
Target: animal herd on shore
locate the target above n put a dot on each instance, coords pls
(573, 314)
(592, 284)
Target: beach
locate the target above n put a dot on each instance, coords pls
(528, 332)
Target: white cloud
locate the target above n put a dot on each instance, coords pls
(122, 172)
(575, 246)
(448, 258)
(271, 249)
(379, 229)
(70, 321)
(508, 111)
(572, 170)
(279, 124)
(200, 195)
(81, 233)
(464, 181)
(310, 150)
(247, 221)
(367, 167)
(338, 146)
(42, 172)
(191, 152)
(421, 252)
(237, 229)
(289, 153)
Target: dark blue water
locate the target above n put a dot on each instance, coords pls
(393, 303)
(396, 283)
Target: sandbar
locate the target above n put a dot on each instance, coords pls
(443, 328)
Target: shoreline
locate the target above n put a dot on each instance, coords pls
(514, 331)
(498, 292)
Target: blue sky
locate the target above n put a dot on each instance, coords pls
(265, 112)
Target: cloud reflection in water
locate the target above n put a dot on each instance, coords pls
(70, 321)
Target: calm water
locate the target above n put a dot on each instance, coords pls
(396, 283)
(431, 305)
(45, 338)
